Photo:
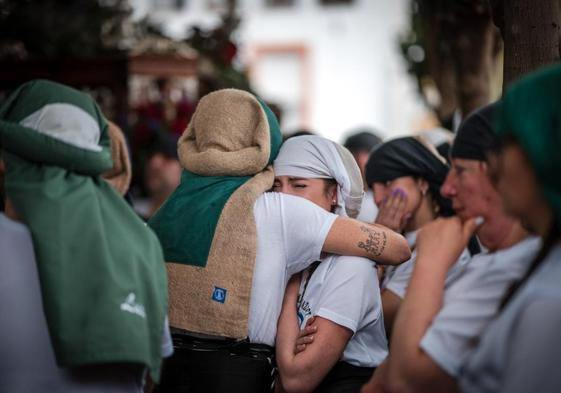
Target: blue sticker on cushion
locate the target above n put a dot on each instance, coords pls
(219, 295)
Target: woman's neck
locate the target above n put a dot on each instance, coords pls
(501, 232)
(423, 215)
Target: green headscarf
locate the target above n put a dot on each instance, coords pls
(531, 113)
(101, 269)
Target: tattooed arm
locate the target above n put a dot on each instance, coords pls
(376, 242)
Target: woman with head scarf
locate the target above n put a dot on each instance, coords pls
(519, 352)
(338, 298)
(406, 175)
(231, 247)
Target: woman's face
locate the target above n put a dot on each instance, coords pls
(519, 189)
(411, 187)
(318, 191)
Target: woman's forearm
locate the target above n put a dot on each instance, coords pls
(290, 371)
(373, 241)
(408, 366)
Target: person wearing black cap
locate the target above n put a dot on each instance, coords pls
(437, 326)
(406, 175)
(360, 144)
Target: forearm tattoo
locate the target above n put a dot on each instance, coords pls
(376, 242)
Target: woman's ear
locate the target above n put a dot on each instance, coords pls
(423, 186)
(333, 194)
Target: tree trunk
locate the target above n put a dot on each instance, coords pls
(441, 68)
(531, 36)
(473, 49)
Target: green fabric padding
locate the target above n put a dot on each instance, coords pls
(531, 113)
(101, 270)
(186, 222)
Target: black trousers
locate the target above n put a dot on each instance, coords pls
(208, 366)
(345, 378)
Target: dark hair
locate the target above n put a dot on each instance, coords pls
(475, 136)
(329, 183)
(410, 156)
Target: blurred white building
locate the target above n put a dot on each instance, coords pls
(331, 65)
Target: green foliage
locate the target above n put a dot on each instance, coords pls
(218, 50)
(61, 28)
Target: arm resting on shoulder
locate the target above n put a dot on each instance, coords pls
(304, 371)
(376, 242)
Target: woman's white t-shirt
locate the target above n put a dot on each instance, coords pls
(345, 291)
(291, 232)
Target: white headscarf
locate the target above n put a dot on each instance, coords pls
(315, 157)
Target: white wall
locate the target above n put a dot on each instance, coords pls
(356, 75)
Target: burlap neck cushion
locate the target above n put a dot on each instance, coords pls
(119, 176)
(228, 136)
(232, 134)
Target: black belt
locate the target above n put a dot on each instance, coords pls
(238, 347)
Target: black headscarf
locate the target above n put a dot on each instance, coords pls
(408, 156)
(475, 137)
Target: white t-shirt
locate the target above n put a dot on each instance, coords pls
(345, 291)
(397, 278)
(291, 232)
(472, 301)
(27, 359)
(520, 351)
(368, 210)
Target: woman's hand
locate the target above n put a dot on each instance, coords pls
(392, 213)
(306, 336)
(444, 239)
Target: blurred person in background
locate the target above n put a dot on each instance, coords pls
(83, 285)
(340, 293)
(162, 175)
(520, 350)
(441, 139)
(360, 144)
(406, 175)
(438, 323)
